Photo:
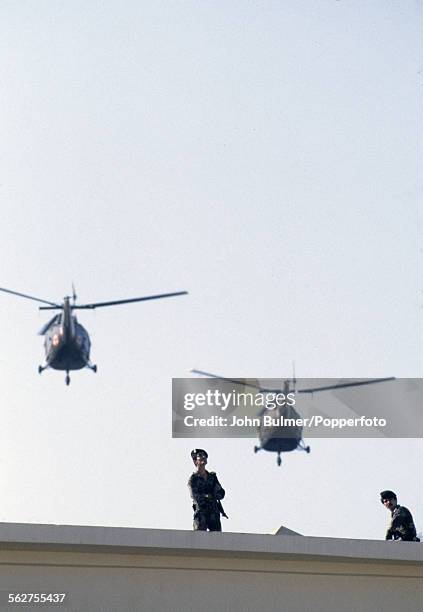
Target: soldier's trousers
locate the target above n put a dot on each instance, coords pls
(207, 520)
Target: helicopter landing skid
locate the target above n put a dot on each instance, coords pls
(303, 447)
(92, 367)
(42, 368)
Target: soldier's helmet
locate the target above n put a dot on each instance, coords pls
(387, 495)
(198, 451)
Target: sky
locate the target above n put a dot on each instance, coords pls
(265, 157)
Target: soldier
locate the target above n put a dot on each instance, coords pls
(402, 524)
(206, 492)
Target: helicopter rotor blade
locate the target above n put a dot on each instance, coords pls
(239, 381)
(236, 381)
(138, 299)
(30, 297)
(311, 390)
(345, 385)
(47, 326)
(115, 302)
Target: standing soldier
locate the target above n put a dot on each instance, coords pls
(206, 492)
(402, 524)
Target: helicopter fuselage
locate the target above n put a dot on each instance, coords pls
(277, 438)
(65, 350)
(67, 343)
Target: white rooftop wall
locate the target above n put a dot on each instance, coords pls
(141, 569)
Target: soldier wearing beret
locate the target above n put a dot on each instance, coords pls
(402, 524)
(206, 492)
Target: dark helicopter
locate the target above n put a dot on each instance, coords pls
(285, 438)
(67, 344)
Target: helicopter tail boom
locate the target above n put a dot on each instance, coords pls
(68, 323)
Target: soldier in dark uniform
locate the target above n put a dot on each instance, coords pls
(402, 524)
(206, 492)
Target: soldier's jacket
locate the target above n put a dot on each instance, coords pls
(402, 525)
(205, 493)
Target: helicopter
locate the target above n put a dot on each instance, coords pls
(285, 438)
(66, 342)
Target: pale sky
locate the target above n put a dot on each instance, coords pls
(264, 156)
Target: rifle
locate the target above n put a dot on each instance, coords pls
(212, 501)
(220, 508)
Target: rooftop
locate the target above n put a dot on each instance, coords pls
(19, 536)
